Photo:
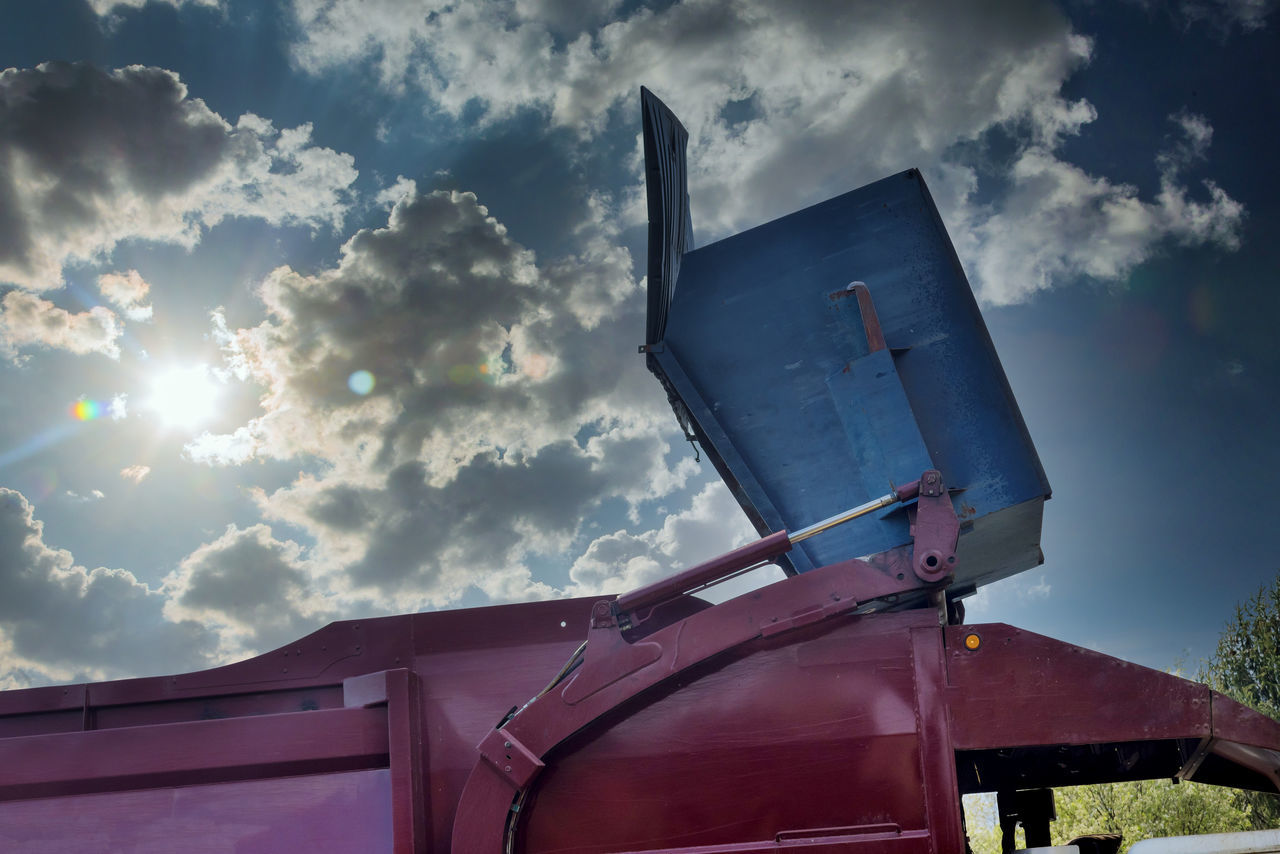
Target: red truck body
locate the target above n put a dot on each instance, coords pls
(842, 732)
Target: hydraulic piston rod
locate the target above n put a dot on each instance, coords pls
(753, 554)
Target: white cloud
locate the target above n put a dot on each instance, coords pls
(621, 561)
(127, 292)
(1039, 590)
(28, 321)
(1057, 222)
(1221, 16)
(175, 168)
(788, 103)
(782, 101)
(104, 7)
(136, 473)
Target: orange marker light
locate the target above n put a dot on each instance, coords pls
(972, 641)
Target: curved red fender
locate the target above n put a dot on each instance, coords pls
(614, 671)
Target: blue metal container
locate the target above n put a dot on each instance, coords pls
(770, 360)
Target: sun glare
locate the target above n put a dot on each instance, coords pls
(184, 397)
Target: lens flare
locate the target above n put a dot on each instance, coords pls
(487, 371)
(361, 382)
(536, 366)
(463, 374)
(85, 409)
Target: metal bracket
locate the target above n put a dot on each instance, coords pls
(510, 758)
(936, 530)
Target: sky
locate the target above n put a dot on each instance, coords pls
(328, 309)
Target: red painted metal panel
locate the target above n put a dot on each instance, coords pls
(1235, 722)
(614, 672)
(937, 758)
(199, 751)
(779, 722)
(408, 759)
(840, 840)
(813, 729)
(1021, 688)
(321, 814)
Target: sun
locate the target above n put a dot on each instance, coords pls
(184, 397)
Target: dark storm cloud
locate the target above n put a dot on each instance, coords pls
(249, 585)
(72, 622)
(92, 157)
(432, 538)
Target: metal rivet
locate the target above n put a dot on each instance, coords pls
(506, 744)
(508, 768)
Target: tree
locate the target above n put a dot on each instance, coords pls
(1139, 810)
(1145, 809)
(1246, 667)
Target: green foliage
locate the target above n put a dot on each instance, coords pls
(1148, 808)
(1246, 664)
(1246, 667)
(1138, 810)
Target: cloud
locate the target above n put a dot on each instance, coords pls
(28, 321)
(175, 168)
(63, 621)
(104, 7)
(620, 561)
(252, 588)
(1221, 16)
(93, 495)
(788, 103)
(135, 473)
(505, 407)
(126, 291)
(1040, 590)
(783, 101)
(1058, 223)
